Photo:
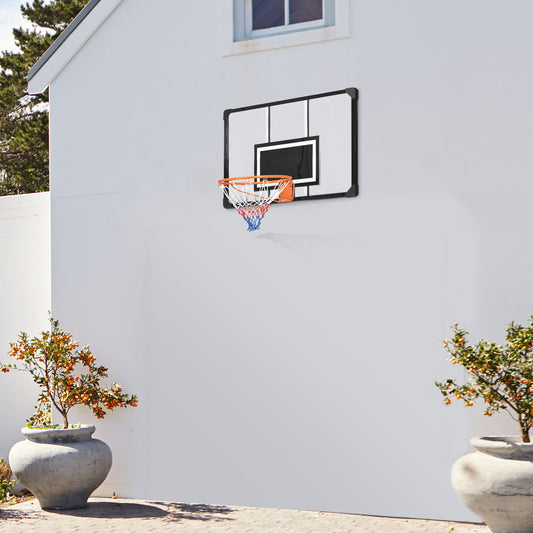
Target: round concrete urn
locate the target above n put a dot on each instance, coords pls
(61, 467)
(496, 483)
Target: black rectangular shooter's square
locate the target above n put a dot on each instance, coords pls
(295, 161)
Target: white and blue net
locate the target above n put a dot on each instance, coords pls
(252, 195)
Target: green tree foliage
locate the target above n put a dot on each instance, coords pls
(24, 118)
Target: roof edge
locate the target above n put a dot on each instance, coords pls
(78, 19)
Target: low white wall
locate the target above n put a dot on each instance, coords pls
(24, 299)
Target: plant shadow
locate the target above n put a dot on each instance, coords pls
(15, 515)
(150, 510)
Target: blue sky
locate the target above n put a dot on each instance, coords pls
(10, 18)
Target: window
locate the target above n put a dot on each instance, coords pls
(267, 24)
(268, 17)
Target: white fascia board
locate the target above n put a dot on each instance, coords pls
(70, 47)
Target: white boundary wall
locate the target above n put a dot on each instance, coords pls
(24, 299)
(321, 394)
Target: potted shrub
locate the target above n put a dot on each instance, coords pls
(496, 481)
(62, 466)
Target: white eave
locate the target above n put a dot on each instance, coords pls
(67, 45)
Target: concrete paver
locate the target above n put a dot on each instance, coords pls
(106, 515)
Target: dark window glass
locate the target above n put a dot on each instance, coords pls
(295, 161)
(267, 14)
(304, 10)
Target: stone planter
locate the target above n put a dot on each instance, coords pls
(61, 467)
(496, 483)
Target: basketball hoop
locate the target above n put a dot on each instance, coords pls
(252, 195)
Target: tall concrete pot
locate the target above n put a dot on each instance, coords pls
(61, 467)
(496, 483)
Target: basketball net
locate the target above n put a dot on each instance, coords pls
(252, 195)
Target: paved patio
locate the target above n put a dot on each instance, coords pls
(136, 516)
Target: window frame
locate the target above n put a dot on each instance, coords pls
(287, 27)
(235, 42)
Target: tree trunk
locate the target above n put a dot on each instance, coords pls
(524, 428)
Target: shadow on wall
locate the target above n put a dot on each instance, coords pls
(299, 244)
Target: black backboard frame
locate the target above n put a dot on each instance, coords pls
(353, 93)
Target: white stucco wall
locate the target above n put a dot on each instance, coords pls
(24, 299)
(319, 394)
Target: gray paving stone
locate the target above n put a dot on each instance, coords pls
(136, 516)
